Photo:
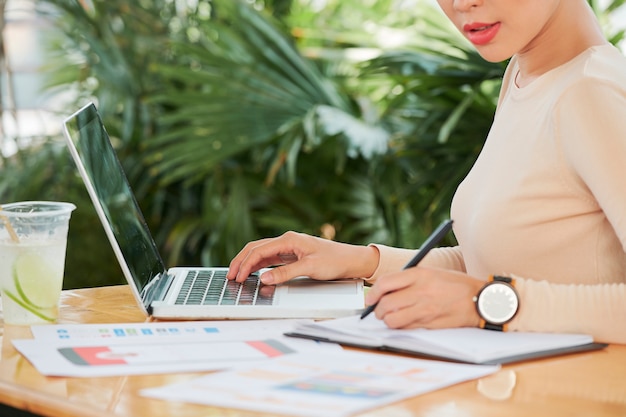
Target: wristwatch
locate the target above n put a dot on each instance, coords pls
(497, 303)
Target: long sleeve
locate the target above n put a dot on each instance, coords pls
(596, 309)
(545, 201)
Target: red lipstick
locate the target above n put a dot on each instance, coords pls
(481, 33)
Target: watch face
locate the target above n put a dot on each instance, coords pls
(497, 303)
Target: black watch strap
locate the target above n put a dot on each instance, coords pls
(491, 326)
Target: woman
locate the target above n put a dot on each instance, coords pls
(544, 205)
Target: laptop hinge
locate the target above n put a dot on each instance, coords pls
(156, 289)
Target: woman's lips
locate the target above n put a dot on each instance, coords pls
(481, 33)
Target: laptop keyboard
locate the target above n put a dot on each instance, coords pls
(207, 287)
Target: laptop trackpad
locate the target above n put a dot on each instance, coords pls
(309, 286)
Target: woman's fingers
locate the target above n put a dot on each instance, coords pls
(236, 263)
(285, 249)
(426, 297)
(386, 285)
(296, 254)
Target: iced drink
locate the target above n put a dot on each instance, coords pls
(33, 238)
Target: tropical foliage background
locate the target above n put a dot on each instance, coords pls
(240, 119)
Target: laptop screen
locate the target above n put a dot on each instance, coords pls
(113, 198)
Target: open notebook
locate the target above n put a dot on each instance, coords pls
(466, 344)
(183, 292)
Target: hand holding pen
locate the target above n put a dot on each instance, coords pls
(430, 243)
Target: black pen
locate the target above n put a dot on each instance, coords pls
(430, 243)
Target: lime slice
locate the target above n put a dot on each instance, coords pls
(31, 278)
(27, 307)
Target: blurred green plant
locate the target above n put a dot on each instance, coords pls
(44, 171)
(237, 120)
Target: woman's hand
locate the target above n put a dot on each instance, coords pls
(298, 254)
(425, 297)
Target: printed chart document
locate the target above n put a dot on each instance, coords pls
(322, 384)
(469, 345)
(93, 350)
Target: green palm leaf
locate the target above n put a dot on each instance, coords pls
(253, 88)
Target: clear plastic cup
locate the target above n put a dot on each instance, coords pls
(33, 241)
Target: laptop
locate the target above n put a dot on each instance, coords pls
(191, 293)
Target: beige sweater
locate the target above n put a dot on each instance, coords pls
(545, 201)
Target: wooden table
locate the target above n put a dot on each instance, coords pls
(586, 384)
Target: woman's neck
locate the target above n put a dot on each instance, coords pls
(572, 30)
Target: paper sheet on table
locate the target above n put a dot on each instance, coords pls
(151, 330)
(320, 384)
(155, 348)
